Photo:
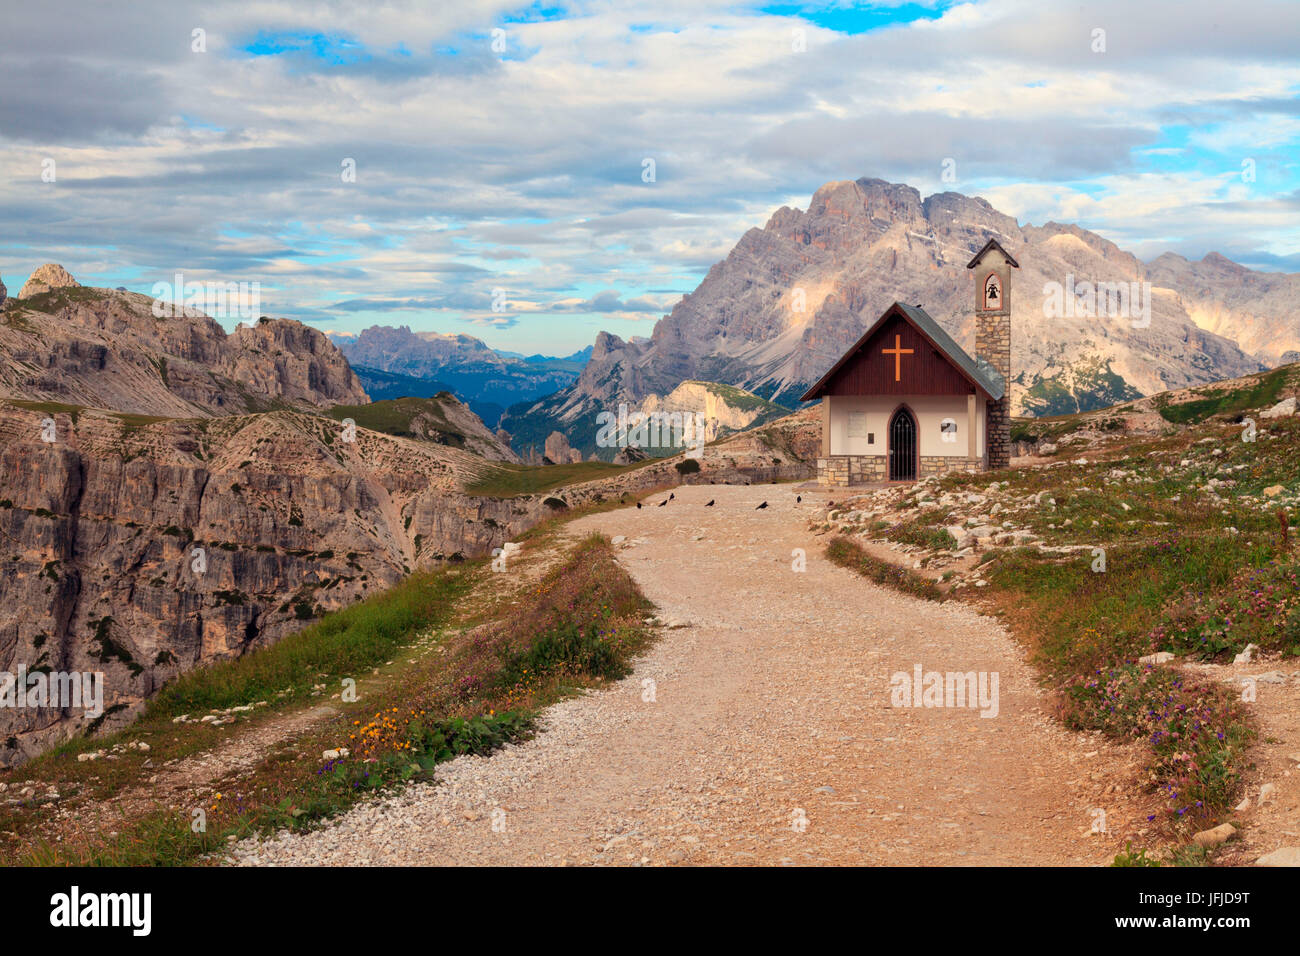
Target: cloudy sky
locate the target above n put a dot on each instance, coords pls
(500, 146)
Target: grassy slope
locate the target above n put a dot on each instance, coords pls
(849, 554)
(395, 416)
(508, 481)
(455, 691)
(1259, 391)
(1196, 405)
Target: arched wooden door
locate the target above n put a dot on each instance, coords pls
(902, 446)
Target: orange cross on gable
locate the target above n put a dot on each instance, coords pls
(897, 352)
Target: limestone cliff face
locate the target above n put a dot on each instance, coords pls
(141, 549)
(725, 408)
(1258, 310)
(105, 348)
(289, 362)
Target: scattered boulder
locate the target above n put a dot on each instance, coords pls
(558, 451)
(962, 537)
(629, 455)
(1247, 655)
(1162, 657)
(1281, 410)
(1047, 448)
(52, 276)
(1284, 856)
(1212, 838)
(1270, 677)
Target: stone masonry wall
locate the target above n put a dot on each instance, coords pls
(843, 471)
(943, 464)
(993, 344)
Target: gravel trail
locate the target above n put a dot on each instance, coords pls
(759, 730)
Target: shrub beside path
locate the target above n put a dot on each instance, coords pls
(764, 703)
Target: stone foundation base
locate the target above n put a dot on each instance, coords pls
(842, 471)
(942, 464)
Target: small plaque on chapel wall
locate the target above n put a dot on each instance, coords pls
(857, 424)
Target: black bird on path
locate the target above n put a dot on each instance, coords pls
(671, 496)
(761, 507)
(638, 504)
(662, 503)
(710, 504)
(798, 498)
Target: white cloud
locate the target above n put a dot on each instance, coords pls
(474, 171)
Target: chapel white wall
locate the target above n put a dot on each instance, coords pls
(930, 411)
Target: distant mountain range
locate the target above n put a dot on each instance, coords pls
(396, 362)
(792, 296)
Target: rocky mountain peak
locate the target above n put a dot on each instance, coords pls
(1219, 261)
(606, 344)
(106, 349)
(792, 296)
(46, 278)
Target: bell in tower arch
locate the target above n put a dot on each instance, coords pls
(993, 292)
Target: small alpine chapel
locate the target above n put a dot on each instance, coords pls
(906, 401)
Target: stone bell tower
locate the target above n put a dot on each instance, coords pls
(993, 266)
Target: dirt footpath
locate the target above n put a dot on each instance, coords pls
(760, 730)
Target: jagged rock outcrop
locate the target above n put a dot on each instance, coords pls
(289, 361)
(4, 293)
(792, 296)
(558, 450)
(47, 278)
(629, 455)
(106, 349)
